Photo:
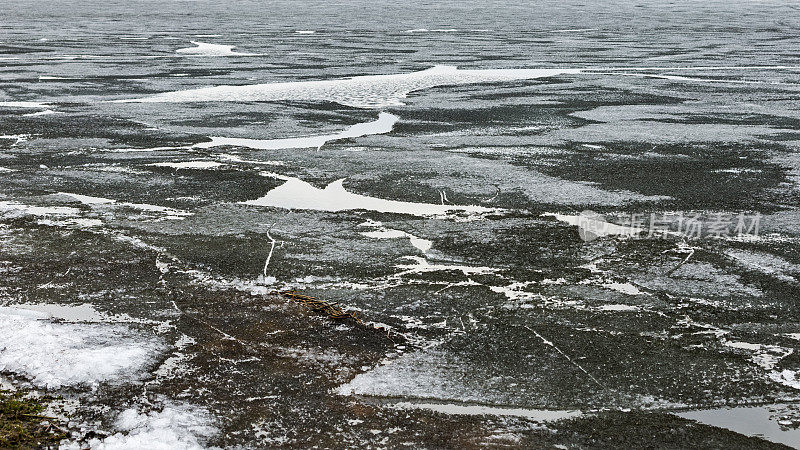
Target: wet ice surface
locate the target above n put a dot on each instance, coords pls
(428, 176)
(770, 422)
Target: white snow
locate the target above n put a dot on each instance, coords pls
(88, 200)
(786, 377)
(71, 222)
(100, 201)
(382, 125)
(766, 356)
(17, 137)
(515, 291)
(15, 209)
(53, 354)
(542, 415)
(381, 232)
(151, 149)
(621, 308)
(379, 91)
(176, 427)
(595, 224)
(421, 265)
(238, 159)
(625, 288)
(297, 194)
(46, 112)
(84, 313)
(370, 91)
(190, 164)
(434, 30)
(35, 105)
(207, 49)
(572, 30)
(681, 78)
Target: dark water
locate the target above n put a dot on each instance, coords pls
(157, 208)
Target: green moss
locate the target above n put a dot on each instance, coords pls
(22, 424)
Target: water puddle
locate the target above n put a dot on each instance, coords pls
(775, 423)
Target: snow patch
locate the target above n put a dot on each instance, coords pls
(370, 91)
(176, 427)
(381, 232)
(539, 415)
(786, 377)
(421, 265)
(10, 209)
(189, 165)
(382, 125)
(621, 308)
(297, 194)
(207, 49)
(46, 112)
(55, 354)
(625, 288)
(34, 105)
(100, 201)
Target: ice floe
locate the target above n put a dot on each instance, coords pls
(371, 91)
(382, 125)
(55, 354)
(207, 49)
(298, 194)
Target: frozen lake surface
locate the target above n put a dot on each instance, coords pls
(470, 186)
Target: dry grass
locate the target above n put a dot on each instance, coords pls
(22, 424)
(331, 309)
